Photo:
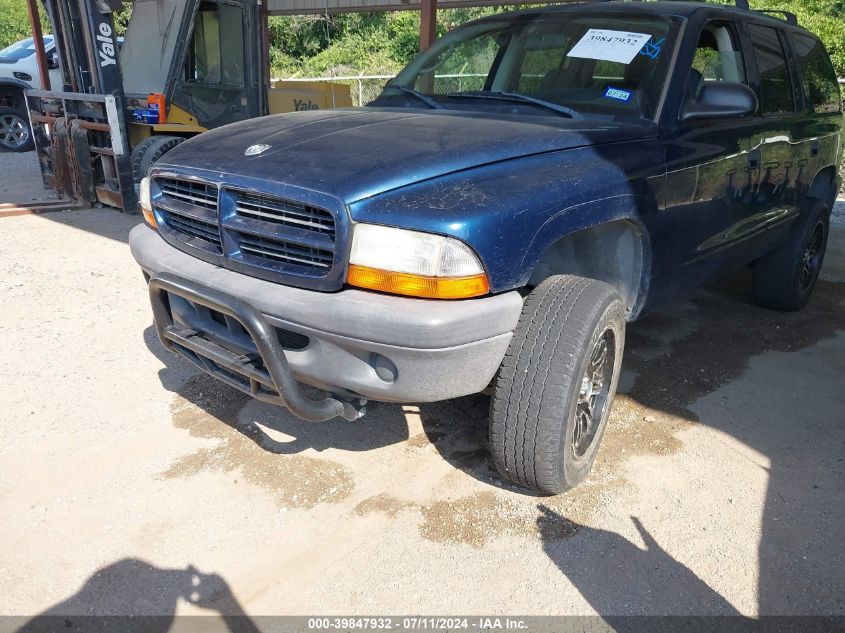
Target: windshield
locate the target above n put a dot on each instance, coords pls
(554, 65)
(23, 49)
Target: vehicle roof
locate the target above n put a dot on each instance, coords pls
(671, 8)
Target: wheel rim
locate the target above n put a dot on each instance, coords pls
(811, 258)
(14, 131)
(594, 393)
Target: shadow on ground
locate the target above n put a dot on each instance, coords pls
(132, 595)
(105, 222)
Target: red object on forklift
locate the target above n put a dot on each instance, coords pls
(157, 99)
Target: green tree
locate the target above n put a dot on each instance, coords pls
(825, 18)
(14, 22)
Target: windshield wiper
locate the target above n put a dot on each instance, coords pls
(516, 96)
(431, 103)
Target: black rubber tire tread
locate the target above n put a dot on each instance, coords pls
(777, 274)
(30, 143)
(535, 388)
(148, 151)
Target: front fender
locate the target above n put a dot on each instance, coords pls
(625, 207)
(510, 211)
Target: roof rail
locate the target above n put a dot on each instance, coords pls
(787, 16)
(790, 17)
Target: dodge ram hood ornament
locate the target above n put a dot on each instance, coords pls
(255, 150)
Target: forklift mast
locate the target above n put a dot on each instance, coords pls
(80, 133)
(85, 36)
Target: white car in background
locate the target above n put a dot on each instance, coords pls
(19, 72)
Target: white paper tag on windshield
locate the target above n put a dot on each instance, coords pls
(612, 46)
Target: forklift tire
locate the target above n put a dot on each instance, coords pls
(147, 152)
(15, 133)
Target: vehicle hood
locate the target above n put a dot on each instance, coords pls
(357, 153)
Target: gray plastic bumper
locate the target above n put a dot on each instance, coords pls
(377, 346)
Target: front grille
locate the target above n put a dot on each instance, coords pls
(272, 237)
(282, 234)
(189, 208)
(193, 227)
(281, 251)
(192, 192)
(284, 212)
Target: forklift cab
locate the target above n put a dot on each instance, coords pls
(204, 56)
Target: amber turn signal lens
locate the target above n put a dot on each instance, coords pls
(418, 285)
(149, 217)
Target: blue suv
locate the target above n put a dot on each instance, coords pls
(523, 189)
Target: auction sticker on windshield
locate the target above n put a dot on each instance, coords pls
(611, 46)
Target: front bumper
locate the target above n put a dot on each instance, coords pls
(352, 343)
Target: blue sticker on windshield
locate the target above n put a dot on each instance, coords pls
(652, 49)
(618, 94)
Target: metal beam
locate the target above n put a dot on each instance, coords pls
(38, 39)
(306, 7)
(428, 23)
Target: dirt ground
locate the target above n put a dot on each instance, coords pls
(131, 484)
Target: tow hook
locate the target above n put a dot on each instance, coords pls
(353, 408)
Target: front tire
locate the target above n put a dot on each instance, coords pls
(784, 279)
(15, 133)
(553, 394)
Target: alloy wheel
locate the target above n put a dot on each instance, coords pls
(14, 131)
(593, 396)
(811, 258)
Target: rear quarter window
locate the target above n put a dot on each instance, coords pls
(776, 96)
(818, 77)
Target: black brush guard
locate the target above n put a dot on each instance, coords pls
(273, 382)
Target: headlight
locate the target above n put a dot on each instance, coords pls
(414, 263)
(145, 203)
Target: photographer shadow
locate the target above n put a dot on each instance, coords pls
(132, 595)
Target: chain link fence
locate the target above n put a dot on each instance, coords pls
(365, 88)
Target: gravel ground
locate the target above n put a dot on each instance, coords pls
(838, 214)
(133, 484)
(21, 181)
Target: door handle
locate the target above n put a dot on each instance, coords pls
(754, 159)
(815, 148)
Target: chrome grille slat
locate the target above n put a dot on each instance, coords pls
(199, 193)
(196, 228)
(286, 252)
(293, 220)
(284, 211)
(283, 231)
(189, 208)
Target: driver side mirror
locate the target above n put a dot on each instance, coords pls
(53, 60)
(721, 100)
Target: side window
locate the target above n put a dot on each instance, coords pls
(218, 28)
(817, 74)
(776, 95)
(718, 57)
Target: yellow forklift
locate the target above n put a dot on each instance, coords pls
(185, 66)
